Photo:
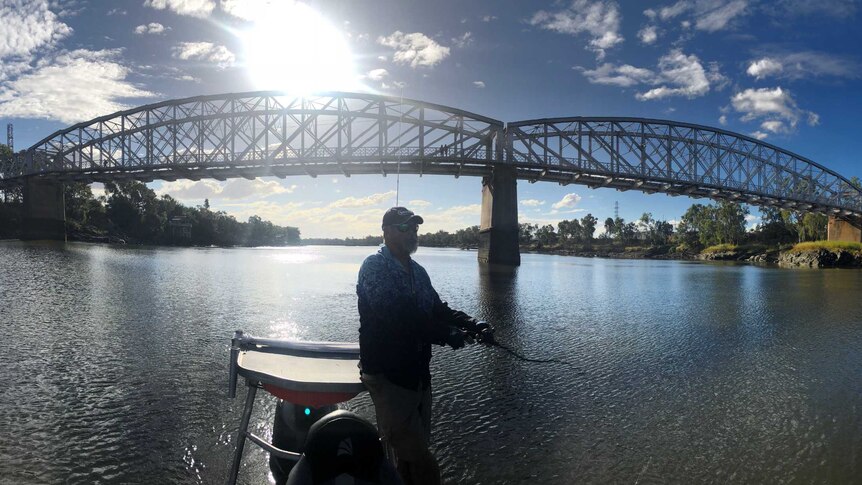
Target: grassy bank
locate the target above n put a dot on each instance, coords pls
(832, 246)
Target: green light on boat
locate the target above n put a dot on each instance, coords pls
(308, 411)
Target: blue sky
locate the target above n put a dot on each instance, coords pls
(787, 71)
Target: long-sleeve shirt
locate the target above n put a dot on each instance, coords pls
(400, 316)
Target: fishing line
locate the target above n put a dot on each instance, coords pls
(520, 356)
(527, 359)
(400, 120)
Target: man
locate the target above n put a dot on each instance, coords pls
(400, 316)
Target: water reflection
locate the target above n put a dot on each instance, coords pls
(692, 373)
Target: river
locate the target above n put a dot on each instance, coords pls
(114, 365)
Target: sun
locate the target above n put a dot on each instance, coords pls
(290, 47)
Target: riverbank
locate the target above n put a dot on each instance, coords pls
(818, 254)
(613, 252)
(815, 254)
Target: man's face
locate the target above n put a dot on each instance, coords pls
(404, 236)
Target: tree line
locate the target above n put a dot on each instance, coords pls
(132, 212)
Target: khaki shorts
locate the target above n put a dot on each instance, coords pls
(403, 416)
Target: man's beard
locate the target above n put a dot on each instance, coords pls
(410, 247)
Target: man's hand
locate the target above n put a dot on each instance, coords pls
(485, 333)
(457, 338)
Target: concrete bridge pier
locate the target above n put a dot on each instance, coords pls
(44, 214)
(498, 233)
(840, 230)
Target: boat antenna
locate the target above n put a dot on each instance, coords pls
(400, 119)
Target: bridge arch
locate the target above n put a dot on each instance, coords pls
(265, 134)
(660, 156)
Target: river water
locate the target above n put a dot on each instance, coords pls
(114, 365)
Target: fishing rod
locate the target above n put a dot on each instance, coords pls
(487, 338)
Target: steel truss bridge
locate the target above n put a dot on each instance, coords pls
(273, 134)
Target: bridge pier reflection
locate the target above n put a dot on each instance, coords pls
(498, 233)
(44, 210)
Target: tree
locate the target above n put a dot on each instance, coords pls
(714, 224)
(730, 222)
(610, 229)
(588, 227)
(468, 237)
(814, 227)
(546, 235)
(525, 232)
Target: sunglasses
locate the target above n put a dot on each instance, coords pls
(406, 227)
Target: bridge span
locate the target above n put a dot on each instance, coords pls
(274, 134)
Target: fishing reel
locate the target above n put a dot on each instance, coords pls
(483, 333)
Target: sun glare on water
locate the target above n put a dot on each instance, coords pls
(291, 47)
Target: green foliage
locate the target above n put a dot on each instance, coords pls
(713, 224)
(546, 236)
(828, 245)
(720, 248)
(131, 211)
(656, 233)
(526, 231)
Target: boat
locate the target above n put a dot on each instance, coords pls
(313, 440)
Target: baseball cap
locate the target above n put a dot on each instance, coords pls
(400, 215)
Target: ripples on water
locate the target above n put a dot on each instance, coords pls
(115, 365)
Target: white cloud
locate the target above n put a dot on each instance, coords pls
(683, 76)
(532, 202)
(600, 19)
(648, 34)
(775, 126)
(415, 49)
(233, 189)
(707, 15)
(377, 74)
(371, 200)
(70, 87)
(722, 120)
(839, 9)
(194, 8)
(759, 135)
(151, 28)
(623, 76)
(762, 68)
(479, 84)
(771, 105)
(489, 18)
(806, 64)
(678, 75)
(463, 41)
(675, 10)
(567, 202)
(418, 203)
(714, 15)
(28, 26)
(204, 51)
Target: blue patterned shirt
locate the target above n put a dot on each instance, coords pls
(400, 316)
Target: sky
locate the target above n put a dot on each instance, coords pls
(785, 71)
